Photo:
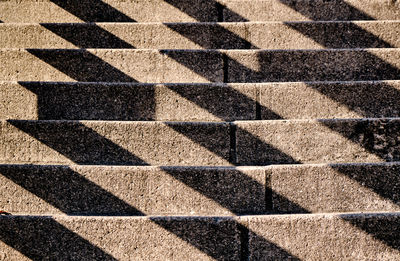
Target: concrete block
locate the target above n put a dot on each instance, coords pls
(55, 11)
(264, 35)
(111, 65)
(114, 143)
(103, 190)
(119, 238)
(304, 10)
(334, 188)
(325, 237)
(313, 65)
(125, 35)
(121, 101)
(317, 141)
(318, 100)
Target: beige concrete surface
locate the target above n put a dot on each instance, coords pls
(122, 101)
(317, 141)
(264, 35)
(110, 65)
(334, 188)
(114, 143)
(124, 190)
(119, 238)
(324, 237)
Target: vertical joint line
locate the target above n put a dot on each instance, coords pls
(225, 66)
(258, 104)
(232, 156)
(268, 193)
(220, 12)
(244, 242)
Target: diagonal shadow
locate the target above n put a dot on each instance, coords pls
(87, 35)
(201, 142)
(45, 238)
(338, 34)
(378, 100)
(67, 190)
(295, 59)
(329, 10)
(78, 143)
(93, 11)
(383, 227)
(82, 140)
(81, 65)
(384, 181)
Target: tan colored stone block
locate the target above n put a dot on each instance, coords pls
(312, 141)
(119, 238)
(325, 237)
(330, 100)
(115, 143)
(334, 188)
(123, 190)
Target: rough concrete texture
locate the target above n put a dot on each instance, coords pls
(107, 101)
(102, 190)
(313, 141)
(323, 100)
(119, 238)
(278, 35)
(313, 65)
(334, 188)
(199, 66)
(110, 65)
(325, 237)
(114, 143)
(45, 11)
(317, 10)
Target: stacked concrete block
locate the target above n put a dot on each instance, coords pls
(199, 130)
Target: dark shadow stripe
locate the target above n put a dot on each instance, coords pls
(87, 35)
(313, 65)
(328, 10)
(67, 190)
(230, 188)
(339, 35)
(45, 238)
(371, 100)
(93, 101)
(77, 142)
(211, 36)
(384, 227)
(93, 11)
(379, 137)
(383, 179)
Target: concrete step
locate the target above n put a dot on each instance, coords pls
(317, 141)
(271, 35)
(137, 191)
(358, 236)
(316, 10)
(198, 102)
(119, 238)
(162, 66)
(316, 188)
(191, 11)
(324, 100)
(115, 143)
(123, 190)
(123, 101)
(183, 143)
